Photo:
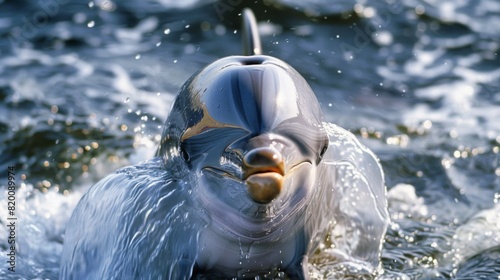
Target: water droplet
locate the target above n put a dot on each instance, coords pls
(187, 26)
(158, 44)
(91, 4)
(220, 30)
(91, 24)
(175, 61)
(166, 31)
(427, 124)
(419, 10)
(138, 56)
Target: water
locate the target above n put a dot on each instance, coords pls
(86, 86)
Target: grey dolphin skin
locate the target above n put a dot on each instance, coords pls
(248, 182)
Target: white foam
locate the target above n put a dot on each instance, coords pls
(40, 225)
(403, 201)
(479, 233)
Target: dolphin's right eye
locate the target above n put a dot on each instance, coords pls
(184, 154)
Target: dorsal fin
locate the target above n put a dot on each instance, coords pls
(251, 38)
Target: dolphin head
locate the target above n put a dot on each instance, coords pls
(250, 127)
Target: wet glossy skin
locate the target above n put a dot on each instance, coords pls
(250, 127)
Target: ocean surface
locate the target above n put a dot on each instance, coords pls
(85, 87)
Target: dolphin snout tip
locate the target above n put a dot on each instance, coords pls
(263, 159)
(264, 170)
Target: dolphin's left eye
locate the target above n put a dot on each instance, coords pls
(322, 153)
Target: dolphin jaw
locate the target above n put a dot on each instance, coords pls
(258, 180)
(241, 215)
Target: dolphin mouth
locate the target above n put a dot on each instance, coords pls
(223, 173)
(263, 185)
(243, 176)
(279, 170)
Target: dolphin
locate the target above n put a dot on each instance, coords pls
(248, 182)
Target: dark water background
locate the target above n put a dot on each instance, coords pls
(86, 85)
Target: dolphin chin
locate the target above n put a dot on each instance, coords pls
(264, 187)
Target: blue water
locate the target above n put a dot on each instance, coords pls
(86, 86)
